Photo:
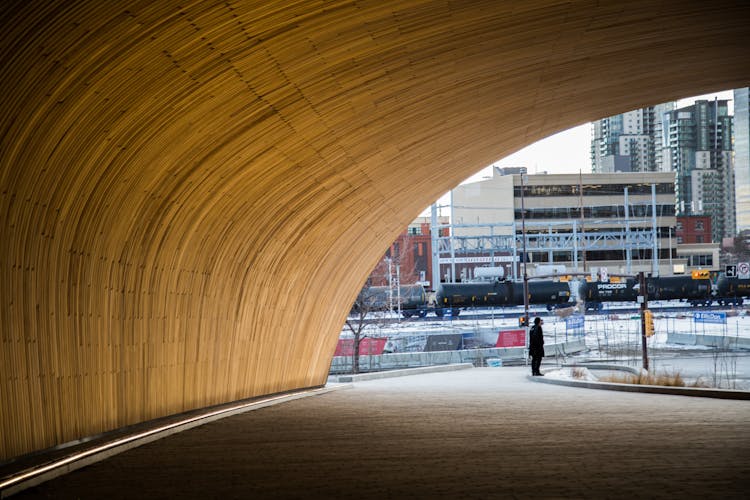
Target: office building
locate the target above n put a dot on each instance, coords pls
(572, 222)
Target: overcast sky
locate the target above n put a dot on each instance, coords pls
(564, 153)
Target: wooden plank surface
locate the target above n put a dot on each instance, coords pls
(192, 193)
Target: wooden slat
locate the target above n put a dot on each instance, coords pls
(191, 193)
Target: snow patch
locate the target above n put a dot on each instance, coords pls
(572, 373)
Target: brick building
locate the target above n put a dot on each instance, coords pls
(411, 252)
(693, 229)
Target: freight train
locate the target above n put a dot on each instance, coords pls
(502, 294)
(451, 298)
(696, 292)
(413, 299)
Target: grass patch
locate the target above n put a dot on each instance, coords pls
(666, 379)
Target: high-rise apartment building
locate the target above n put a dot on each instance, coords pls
(742, 157)
(698, 147)
(629, 142)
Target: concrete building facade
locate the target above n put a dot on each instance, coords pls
(742, 157)
(575, 222)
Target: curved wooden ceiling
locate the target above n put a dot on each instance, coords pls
(192, 192)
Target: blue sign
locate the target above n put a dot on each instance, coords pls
(719, 318)
(575, 321)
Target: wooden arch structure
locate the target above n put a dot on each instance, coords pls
(192, 192)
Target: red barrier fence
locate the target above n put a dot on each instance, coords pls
(369, 345)
(511, 338)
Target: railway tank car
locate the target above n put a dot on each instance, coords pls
(732, 291)
(411, 298)
(695, 291)
(454, 296)
(553, 294)
(594, 293)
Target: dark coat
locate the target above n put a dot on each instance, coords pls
(536, 341)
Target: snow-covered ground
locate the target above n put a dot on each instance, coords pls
(611, 336)
(602, 331)
(569, 373)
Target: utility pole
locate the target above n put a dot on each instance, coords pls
(398, 288)
(390, 283)
(671, 267)
(580, 207)
(643, 298)
(655, 244)
(525, 275)
(575, 245)
(453, 249)
(628, 250)
(434, 235)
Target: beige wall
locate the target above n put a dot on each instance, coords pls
(485, 202)
(696, 249)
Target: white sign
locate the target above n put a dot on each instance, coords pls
(611, 286)
(603, 274)
(719, 318)
(743, 270)
(478, 260)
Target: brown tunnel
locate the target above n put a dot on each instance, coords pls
(192, 192)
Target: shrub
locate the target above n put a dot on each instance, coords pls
(673, 379)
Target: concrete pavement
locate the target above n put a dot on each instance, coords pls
(477, 433)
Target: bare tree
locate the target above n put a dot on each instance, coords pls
(739, 251)
(365, 304)
(399, 253)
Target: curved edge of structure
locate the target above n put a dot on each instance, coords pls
(696, 392)
(147, 432)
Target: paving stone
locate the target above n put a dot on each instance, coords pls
(479, 433)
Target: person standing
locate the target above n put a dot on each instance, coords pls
(536, 346)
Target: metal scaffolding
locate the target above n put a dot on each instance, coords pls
(488, 239)
(549, 236)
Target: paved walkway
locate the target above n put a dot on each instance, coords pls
(478, 433)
